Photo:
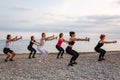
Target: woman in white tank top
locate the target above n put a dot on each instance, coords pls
(10, 53)
(41, 48)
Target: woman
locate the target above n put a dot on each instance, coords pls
(30, 47)
(69, 49)
(100, 44)
(58, 46)
(10, 53)
(41, 48)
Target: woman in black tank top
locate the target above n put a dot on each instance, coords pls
(72, 52)
(100, 44)
(30, 47)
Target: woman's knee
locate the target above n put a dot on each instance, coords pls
(31, 52)
(13, 53)
(35, 51)
(103, 51)
(8, 54)
(77, 54)
(63, 51)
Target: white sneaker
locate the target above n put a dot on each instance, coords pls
(39, 61)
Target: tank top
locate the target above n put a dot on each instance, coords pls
(7, 45)
(71, 43)
(99, 45)
(59, 42)
(42, 41)
(31, 43)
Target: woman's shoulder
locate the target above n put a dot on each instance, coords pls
(61, 38)
(7, 41)
(72, 39)
(42, 39)
(101, 41)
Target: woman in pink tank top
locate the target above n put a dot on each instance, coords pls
(58, 46)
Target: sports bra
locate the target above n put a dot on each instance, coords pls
(71, 43)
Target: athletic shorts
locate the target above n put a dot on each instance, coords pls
(7, 50)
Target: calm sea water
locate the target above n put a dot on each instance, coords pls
(81, 46)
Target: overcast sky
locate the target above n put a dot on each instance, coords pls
(84, 16)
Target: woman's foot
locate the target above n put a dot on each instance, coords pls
(29, 57)
(11, 59)
(74, 62)
(5, 60)
(39, 61)
(33, 57)
(57, 58)
(99, 59)
(61, 57)
(103, 58)
(70, 64)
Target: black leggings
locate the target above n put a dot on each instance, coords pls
(101, 51)
(72, 52)
(61, 51)
(32, 51)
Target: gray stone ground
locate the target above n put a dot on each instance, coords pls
(88, 68)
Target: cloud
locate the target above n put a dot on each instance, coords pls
(85, 7)
(105, 19)
(118, 2)
(86, 16)
(58, 23)
(103, 24)
(23, 8)
(70, 11)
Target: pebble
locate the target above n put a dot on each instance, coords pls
(88, 68)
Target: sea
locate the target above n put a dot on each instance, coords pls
(80, 46)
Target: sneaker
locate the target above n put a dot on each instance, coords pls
(70, 64)
(103, 58)
(99, 59)
(33, 57)
(74, 62)
(10, 59)
(61, 57)
(39, 61)
(57, 58)
(29, 57)
(5, 60)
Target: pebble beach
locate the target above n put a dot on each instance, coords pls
(88, 67)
